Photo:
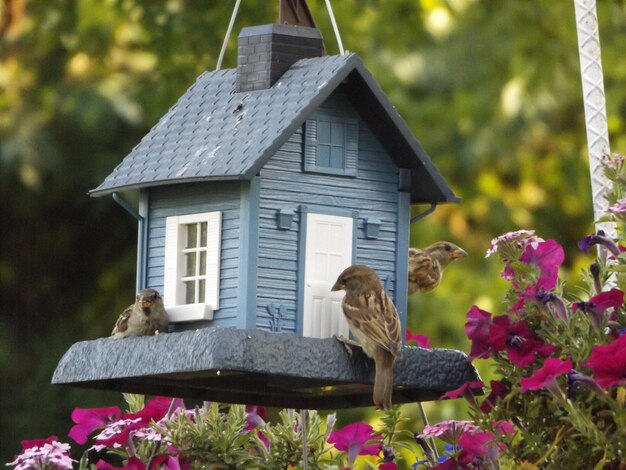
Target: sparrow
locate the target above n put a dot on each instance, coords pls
(426, 266)
(374, 321)
(145, 317)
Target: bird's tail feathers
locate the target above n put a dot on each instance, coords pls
(383, 381)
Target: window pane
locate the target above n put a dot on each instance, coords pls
(202, 291)
(323, 132)
(190, 292)
(336, 157)
(192, 235)
(202, 270)
(203, 231)
(323, 156)
(337, 133)
(190, 261)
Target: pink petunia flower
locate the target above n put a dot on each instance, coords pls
(422, 341)
(545, 377)
(89, 419)
(498, 390)
(133, 463)
(353, 439)
(156, 409)
(598, 305)
(477, 330)
(547, 256)
(464, 390)
(116, 434)
(38, 442)
(608, 363)
(518, 340)
(255, 416)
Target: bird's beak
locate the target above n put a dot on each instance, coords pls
(145, 303)
(459, 253)
(338, 286)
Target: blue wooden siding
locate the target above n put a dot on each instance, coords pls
(283, 185)
(195, 198)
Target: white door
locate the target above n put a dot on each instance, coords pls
(328, 253)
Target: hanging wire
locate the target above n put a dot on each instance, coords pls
(228, 31)
(335, 28)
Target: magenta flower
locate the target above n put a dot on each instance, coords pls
(448, 431)
(464, 390)
(133, 464)
(89, 419)
(353, 439)
(155, 410)
(387, 466)
(477, 330)
(545, 377)
(38, 442)
(116, 434)
(547, 256)
(255, 416)
(480, 446)
(518, 340)
(48, 454)
(422, 341)
(599, 304)
(608, 363)
(498, 390)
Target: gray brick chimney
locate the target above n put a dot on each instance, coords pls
(266, 52)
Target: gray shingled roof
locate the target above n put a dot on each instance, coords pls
(215, 133)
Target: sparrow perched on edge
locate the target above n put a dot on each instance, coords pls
(426, 266)
(145, 317)
(373, 320)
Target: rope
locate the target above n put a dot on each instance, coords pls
(335, 28)
(228, 31)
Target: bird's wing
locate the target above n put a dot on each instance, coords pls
(424, 271)
(121, 325)
(376, 316)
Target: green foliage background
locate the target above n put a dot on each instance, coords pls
(490, 87)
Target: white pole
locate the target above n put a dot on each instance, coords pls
(595, 105)
(335, 27)
(228, 31)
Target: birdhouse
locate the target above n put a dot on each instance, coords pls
(256, 189)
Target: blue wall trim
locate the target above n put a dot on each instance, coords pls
(142, 240)
(402, 257)
(248, 260)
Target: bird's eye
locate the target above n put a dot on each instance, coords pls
(447, 247)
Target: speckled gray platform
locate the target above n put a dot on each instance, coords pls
(256, 367)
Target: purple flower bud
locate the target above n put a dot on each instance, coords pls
(598, 239)
(594, 269)
(575, 380)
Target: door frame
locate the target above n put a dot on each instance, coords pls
(303, 210)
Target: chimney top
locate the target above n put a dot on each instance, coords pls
(267, 51)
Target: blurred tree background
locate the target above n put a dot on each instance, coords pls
(490, 87)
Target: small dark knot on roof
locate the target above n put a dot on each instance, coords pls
(238, 108)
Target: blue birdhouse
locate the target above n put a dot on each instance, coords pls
(256, 190)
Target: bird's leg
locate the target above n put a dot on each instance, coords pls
(347, 343)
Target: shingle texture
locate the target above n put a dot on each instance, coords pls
(215, 132)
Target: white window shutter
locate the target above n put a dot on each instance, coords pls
(214, 236)
(170, 271)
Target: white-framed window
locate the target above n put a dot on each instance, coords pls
(192, 266)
